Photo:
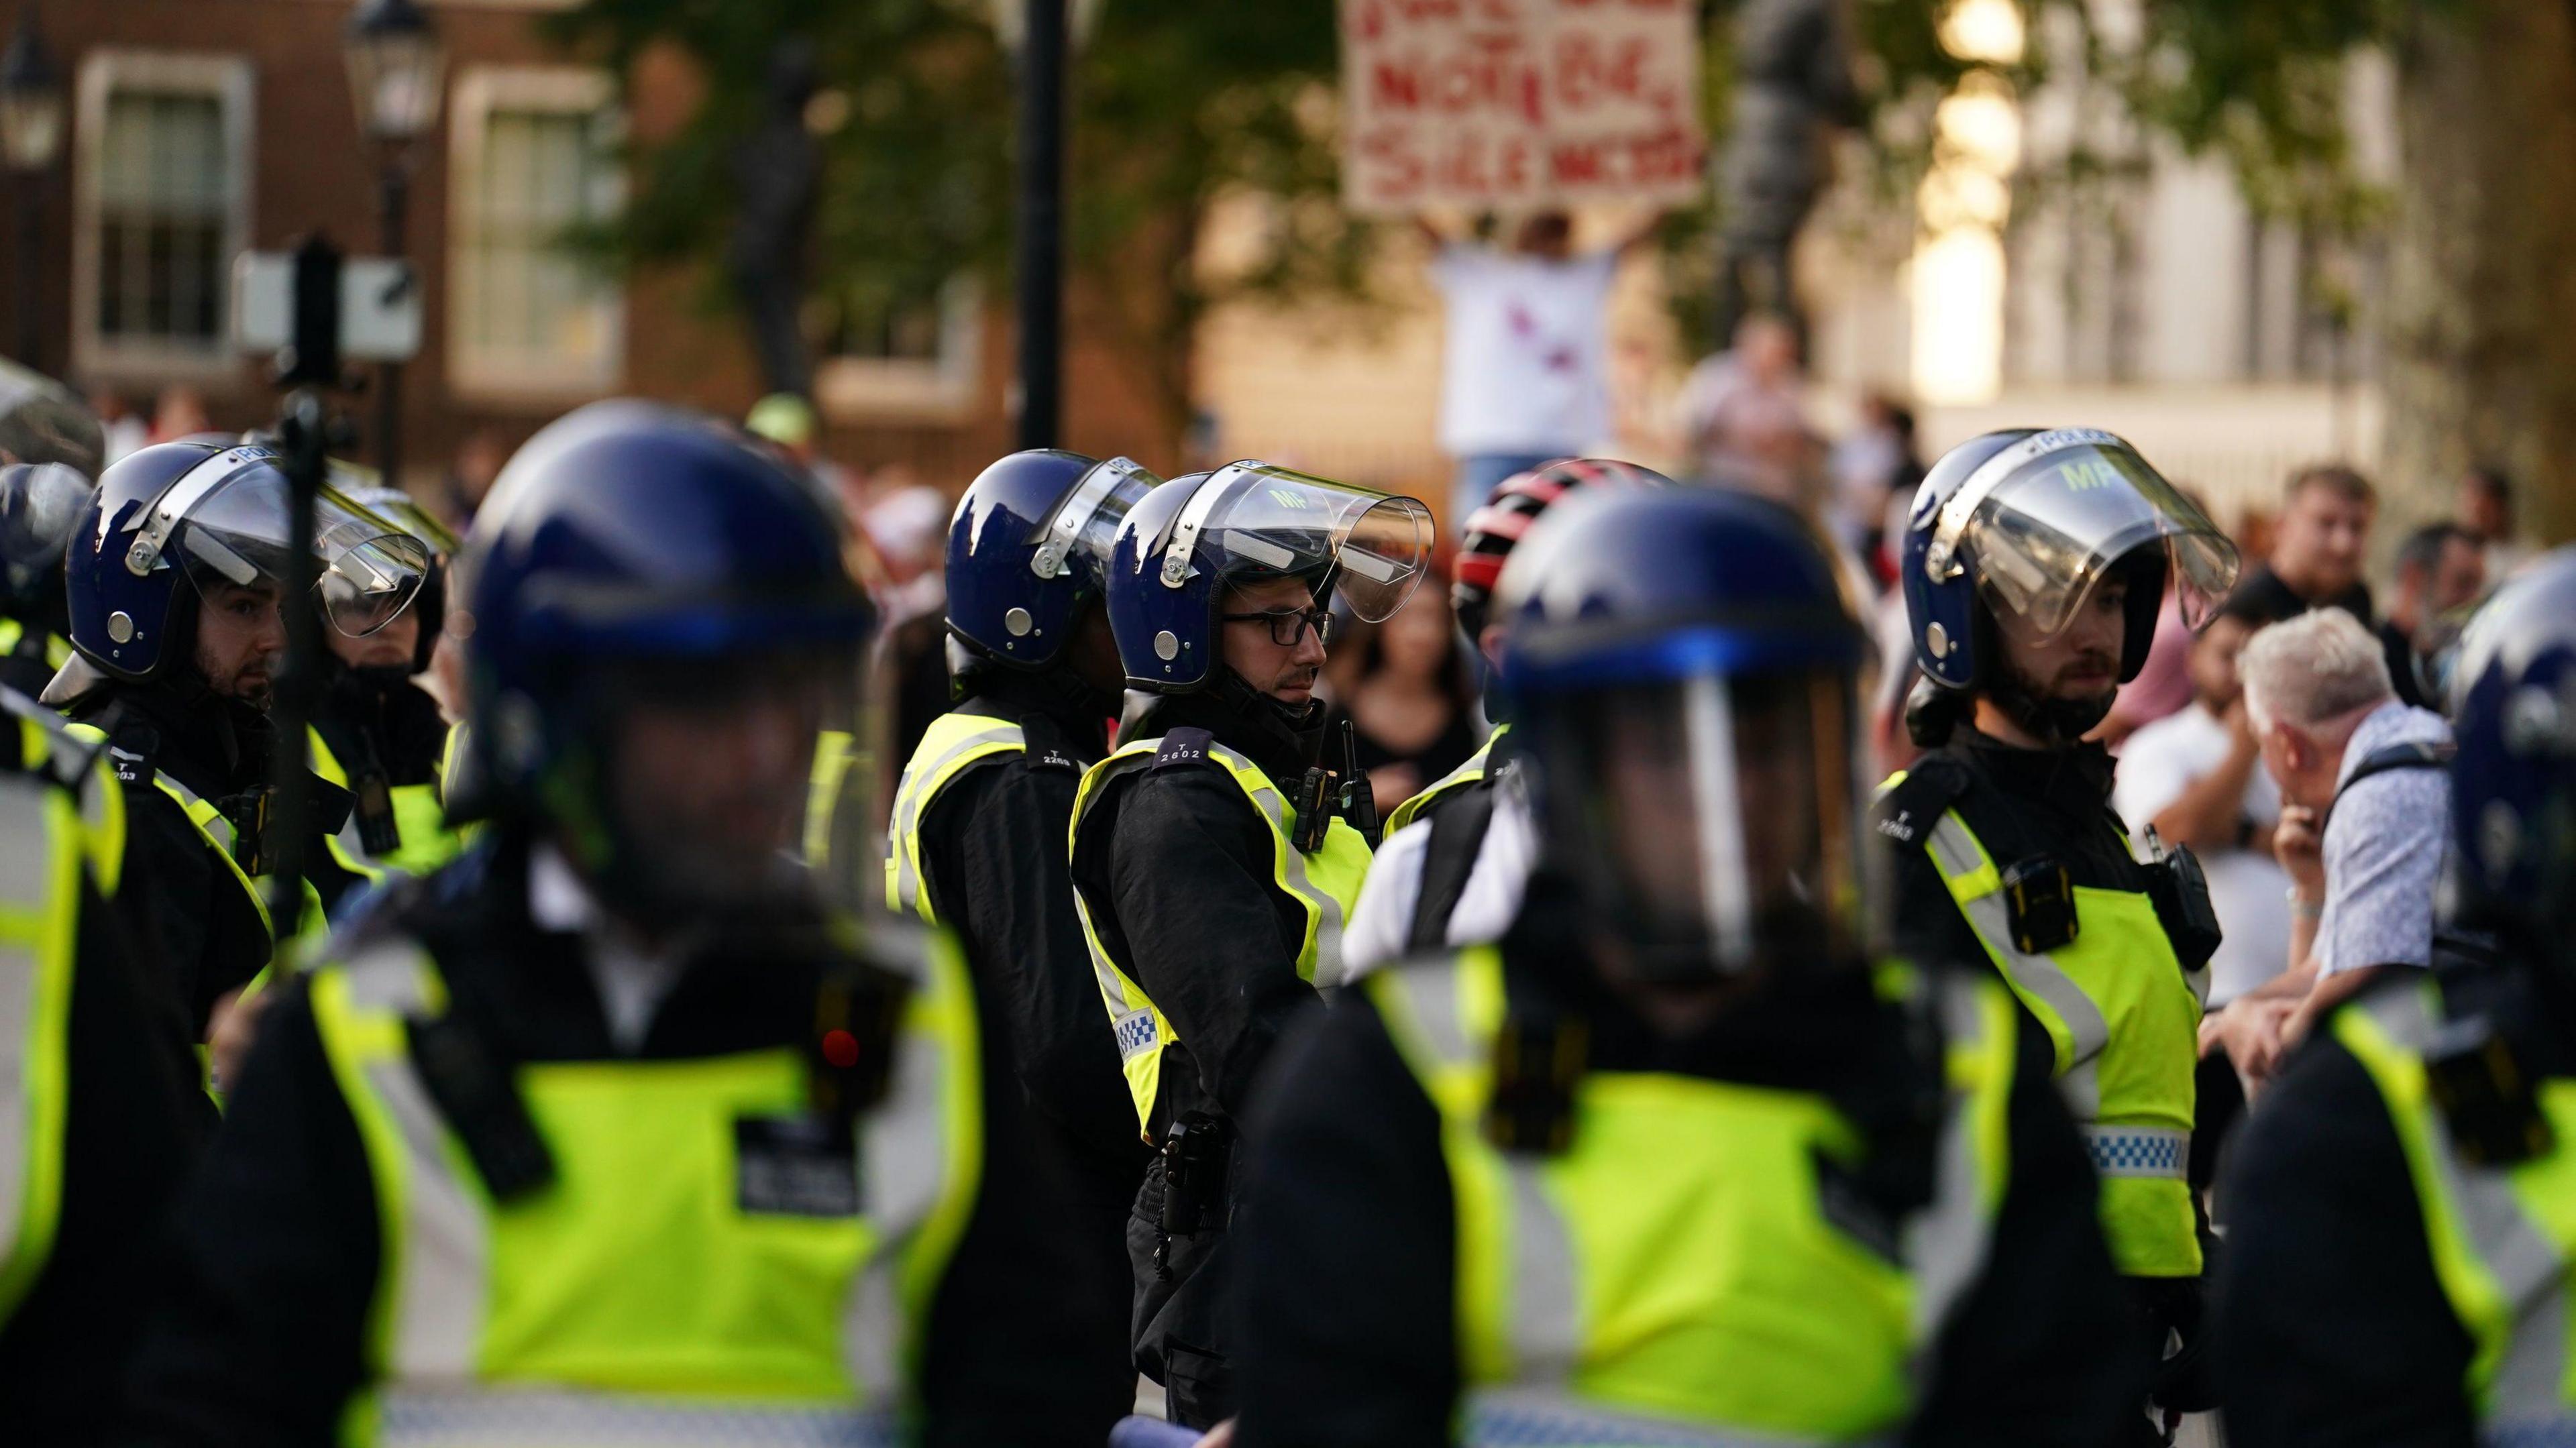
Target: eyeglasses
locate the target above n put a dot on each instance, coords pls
(1288, 625)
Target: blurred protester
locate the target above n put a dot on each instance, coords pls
(1524, 373)
(2164, 682)
(2318, 545)
(2485, 508)
(180, 413)
(1874, 461)
(1410, 697)
(1744, 414)
(125, 431)
(2364, 805)
(908, 531)
(2440, 569)
(469, 476)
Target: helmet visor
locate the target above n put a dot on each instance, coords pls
(40, 506)
(1076, 538)
(1710, 815)
(1257, 521)
(368, 569)
(2043, 521)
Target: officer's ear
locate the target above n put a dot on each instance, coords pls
(1489, 642)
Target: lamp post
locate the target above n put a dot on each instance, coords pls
(31, 136)
(396, 75)
(1039, 34)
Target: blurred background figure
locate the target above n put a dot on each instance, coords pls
(2484, 505)
(125, 431)
(2441, 568)
(1874, 464)
(180, 413)
(907, 531)
(469, 476)
(1409, 689)
(1743, 414)
(2318, 546)
(1524, 375)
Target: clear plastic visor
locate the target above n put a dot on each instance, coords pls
(1077, 537)
(1712, 817)
(40, 507)
(369, 570)
(2049, 528)
(1259, 520)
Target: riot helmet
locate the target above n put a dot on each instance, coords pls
(2513, 787)
(430, 608)
(1486, 540)
(1680, 666)
(40, 508)
(1028, 552)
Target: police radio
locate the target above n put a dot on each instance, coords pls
(1323, 794)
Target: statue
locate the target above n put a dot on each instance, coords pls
(1793, 82)
(776, 172)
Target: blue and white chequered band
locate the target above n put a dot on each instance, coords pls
(2138, 1151)
(1524, 1418)
(495, 1417)
(2558, 1432)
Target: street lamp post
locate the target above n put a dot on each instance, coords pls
(396, 74)
(1040, 35)
(31, 135)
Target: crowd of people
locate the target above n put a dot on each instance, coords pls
(729, 970)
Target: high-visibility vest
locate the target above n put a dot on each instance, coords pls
(1323, 885)
(2123, 1023)
(62, 816)
(1472, 772)
(419, 819)
(634, 1299)
(1674, 1275)
(953, 744)
(2502, 1238)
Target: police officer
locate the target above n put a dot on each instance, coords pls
(1672, 1163)
(2035, 563)
(176, 572)
(376, 732)
(1457, 880)
(1214, 859)
(609, 1132)
(977, 840)
(2399, 1241)
(40, 504)
(100, 1115)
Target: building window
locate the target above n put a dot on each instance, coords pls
(533, 162)
(907, 360)
(161, 206)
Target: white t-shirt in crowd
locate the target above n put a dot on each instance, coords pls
(2249, 890)
(1525, 368)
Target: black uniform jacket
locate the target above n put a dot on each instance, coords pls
(134, 1120)
(256, 1337)
(374, 721)
(2331, 1326)
(1347, 1305)
(993, 849)
(1188, 868)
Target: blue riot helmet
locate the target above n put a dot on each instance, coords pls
(1682, 668)
(661, 627)
(171, 524)
(40, 507)
(400, 509)
(2027, 523)
(2513, 785)
(1028, 550)
(1185, 543)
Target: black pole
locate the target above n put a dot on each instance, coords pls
(311, 363)
(31, 237)
(1041, 225)
(394, 199)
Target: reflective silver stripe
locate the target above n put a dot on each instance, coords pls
(2530, 1270)
(26, 850)
(205, 816)
(444, 1267)
(413, 1417)
(1430, 994)
(904, 1164)
(1956, 852)
(1527, 1418)
(1103, 969)
(1946, 1245)
(910, 800)
(1292, 868)
(2138, 1151)
(1546, 1320)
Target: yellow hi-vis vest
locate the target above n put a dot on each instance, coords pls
(58, 650)
(953, 744)
(1473, 771)
(1673, 1277)
(419, 817)
(633, 1300)
(1323, 884)
(2123, 1022)
(63, 815)
(2502, 1238)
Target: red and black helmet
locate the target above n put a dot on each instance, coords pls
(1494, 529)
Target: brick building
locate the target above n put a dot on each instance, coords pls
(199, 129)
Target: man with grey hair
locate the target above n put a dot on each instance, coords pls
(2365, 801)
